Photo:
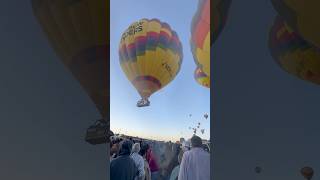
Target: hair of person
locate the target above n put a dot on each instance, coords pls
(125, 147)
(143, 151)
(196, 141)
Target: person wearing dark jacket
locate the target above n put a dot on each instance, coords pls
(123, 167)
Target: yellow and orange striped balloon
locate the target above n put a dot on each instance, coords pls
(78, 32)
(302, 16)
(150, 55)
(294, 54)
(202, 78)
(200, 36)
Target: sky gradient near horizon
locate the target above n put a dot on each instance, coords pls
(168, 116)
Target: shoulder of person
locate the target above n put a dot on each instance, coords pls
(186, 153)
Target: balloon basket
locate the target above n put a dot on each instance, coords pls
(98, 133)
(143, 103)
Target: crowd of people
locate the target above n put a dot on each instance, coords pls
(153, 160)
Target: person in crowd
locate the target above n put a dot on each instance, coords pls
(170, 160)
(123, 167)
(186, 145)
(206, 148)
(138, 160)
(195, 164)
(176, 149)
(175, 171)
(143, 153)
(154, 168)
(114, 151)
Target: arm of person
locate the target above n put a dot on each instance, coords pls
(141, 168)
(183, 168)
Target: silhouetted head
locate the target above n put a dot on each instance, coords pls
(125, 147)
(196, 141)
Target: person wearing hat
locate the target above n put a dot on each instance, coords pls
(195, 163)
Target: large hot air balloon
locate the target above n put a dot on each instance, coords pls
(294, 54)
(307, 172)
(200, 36)
(302, 16)
(150, 54)
(220, 15)
(78, 32)
(202, 78)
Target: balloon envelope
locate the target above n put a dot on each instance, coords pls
(200, 36)
(294, 54)
(206, 116)
(78, 31)
(258, 169)
(302, 16)
(150, 55)
(220, 14)
(202, 78)
(307, 172)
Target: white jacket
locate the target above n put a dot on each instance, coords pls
(138, 160)
(195, 165)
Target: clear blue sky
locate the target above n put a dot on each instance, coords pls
(168, 116)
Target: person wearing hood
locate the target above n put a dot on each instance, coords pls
(123, 167)
(143, 153)
(175, 171)
(195, 164)
(138, 160)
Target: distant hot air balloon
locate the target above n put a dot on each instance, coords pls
(200, 36)
(302, 16)
(206, 116)
(220, 15)
(190, 115)
(307, 172)
(78, 32)
(258, 169)
(150, 55)
(202, 78)
(294, 54)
